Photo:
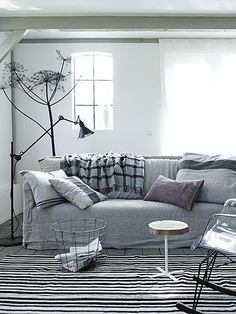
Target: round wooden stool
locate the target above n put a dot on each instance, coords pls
(166, 228)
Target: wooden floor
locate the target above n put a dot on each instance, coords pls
(19, 250)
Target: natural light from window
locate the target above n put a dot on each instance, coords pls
(199, 106)
(93, 94)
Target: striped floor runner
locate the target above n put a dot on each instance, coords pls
(36, 284)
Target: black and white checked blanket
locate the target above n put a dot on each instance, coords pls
(109, 172)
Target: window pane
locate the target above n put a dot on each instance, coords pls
(84, 93)
(86, 115)
(83, 67)
(103, 93)
(93, 96)
(103, 68)
(104, 117)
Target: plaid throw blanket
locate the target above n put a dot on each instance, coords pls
(106, 173)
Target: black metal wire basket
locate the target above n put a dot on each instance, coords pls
(78, 242)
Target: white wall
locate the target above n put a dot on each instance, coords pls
(5, 139)
(136, 102)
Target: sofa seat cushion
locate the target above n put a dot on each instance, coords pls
(127, 222)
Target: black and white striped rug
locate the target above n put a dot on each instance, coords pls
(36, 284)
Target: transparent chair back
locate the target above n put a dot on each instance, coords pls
(219, 235)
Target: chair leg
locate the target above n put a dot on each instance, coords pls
(217, 287)
(184, 308)
(209, 262)
(230, 259)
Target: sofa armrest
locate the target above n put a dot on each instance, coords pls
(28, 205)
(28, 197)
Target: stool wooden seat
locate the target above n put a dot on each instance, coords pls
(166, 228)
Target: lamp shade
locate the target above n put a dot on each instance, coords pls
(84, 131)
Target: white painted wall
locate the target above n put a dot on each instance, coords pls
(136, 102)
(5, 139)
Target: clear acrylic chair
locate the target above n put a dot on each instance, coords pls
(219, 238)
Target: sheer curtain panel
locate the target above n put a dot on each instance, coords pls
(198, 96)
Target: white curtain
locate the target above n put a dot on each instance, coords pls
(198, 96)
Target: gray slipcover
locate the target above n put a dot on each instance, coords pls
(127, 220)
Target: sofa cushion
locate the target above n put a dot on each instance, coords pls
(127, 222)
(158, 166)
(182, 193)
(43, 192)
(118, 175)
(76, 191)
(51, 163)
(154, 166)
(218, 173)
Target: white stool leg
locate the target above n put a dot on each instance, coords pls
(165, 272)
(166, 253)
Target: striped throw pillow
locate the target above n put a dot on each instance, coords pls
(76, 191)
(218, 173)
(43, 192)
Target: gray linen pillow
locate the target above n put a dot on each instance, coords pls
(76, 191)
(43, 192)
(179, 193)
(218, 173)
(51, 163)
(155, 167)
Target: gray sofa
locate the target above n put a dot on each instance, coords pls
(127, 220)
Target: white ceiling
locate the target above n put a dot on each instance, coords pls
(27, 8)
(117, 7)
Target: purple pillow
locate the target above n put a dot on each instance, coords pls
(180, 193)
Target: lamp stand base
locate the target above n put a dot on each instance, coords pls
(10, 241)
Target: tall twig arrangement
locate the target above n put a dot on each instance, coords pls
(42, 87)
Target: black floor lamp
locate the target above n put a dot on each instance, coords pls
(84, 132)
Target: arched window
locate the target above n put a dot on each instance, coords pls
(93, 94)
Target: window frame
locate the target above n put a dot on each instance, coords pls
(76, 81)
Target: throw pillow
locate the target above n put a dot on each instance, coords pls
(76, 191)
(179, 193)
(156, 166)
(218, 173)
(44, 194)
(51, 163)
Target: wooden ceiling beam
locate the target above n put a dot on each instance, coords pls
(10, 42)
(115, 23)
